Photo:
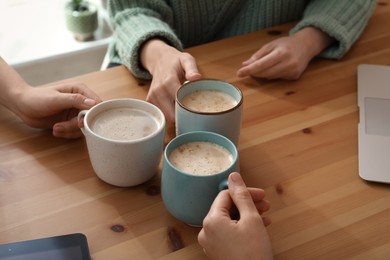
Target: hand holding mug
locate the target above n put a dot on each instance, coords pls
(246, 238)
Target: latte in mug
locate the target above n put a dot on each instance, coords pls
(124, 124)
(210, 101)
(201, 158)
(209, 105)
(125, 140)
(195, 169)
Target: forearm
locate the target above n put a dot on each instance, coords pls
(12, 85)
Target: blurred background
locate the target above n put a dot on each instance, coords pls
(35, 41)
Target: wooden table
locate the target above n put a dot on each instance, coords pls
(298, 142)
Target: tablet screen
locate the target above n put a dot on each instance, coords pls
(66, 247)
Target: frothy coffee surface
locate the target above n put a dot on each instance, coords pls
(201, 158)
(123, 124)
(209, 101)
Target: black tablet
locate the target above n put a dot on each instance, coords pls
(66, 247)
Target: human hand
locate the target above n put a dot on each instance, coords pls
(56, 107)
(286, 57)
(169, 68)
(225, 238)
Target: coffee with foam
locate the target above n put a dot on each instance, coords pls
(201, 158)
(208, 101)
(124, 124)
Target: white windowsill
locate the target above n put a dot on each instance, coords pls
(32, 30)
(35, 41)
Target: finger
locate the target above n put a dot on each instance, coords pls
(256, 193)
(277, 71)
(240, 195)
(262, 206)
(266, 220)
(190, 68)
(70, 100)
(265, 50)
(76, 95)
(79, 88)
(282, 70)
(201, 237)
(68, 135)
(258, 66)
(221, 204)
(219, 212)
(193, 76)
(67, 129)
(203, 240)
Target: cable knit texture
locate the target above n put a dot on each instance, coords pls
(186, 23)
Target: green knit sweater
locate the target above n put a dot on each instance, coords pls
(185, 23)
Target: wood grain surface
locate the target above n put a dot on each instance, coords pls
(298, 142)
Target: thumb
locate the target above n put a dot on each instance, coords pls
(74, 100)
(192, 75)
(190, 68)
(241, 195)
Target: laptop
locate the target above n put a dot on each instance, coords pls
(374, 122)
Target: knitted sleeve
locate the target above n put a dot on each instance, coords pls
(344, 20)
(134, 22)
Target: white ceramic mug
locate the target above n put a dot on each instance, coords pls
(226, 122)
(123, 161)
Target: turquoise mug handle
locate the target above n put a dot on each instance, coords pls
(224, 185)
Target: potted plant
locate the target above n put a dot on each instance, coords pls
(81, 17)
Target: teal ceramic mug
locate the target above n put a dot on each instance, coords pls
(196, 167)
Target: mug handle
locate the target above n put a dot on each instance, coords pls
(223, 185)
(81, 116)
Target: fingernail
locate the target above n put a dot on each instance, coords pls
(194, 75)
(89, 102)
(235, 177)
(59, 128)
